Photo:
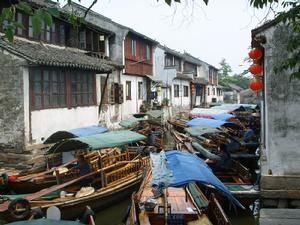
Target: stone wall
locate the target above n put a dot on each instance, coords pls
(282, 107)
(11, 104)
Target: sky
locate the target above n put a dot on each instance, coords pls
(220, 30)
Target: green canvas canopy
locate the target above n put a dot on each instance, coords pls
(98, 141)
(200, 130)
(130, 122)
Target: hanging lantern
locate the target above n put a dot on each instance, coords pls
(255, 53)
(255, 69)
(256, 85)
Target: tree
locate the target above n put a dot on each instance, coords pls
(226, 76)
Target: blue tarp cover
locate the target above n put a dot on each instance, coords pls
(87, 131)
(77, 132)
(204, 121)
(175, 169)
(223, 116)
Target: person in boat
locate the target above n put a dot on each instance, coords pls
(225, 163)
(84, 168)
(151, 137)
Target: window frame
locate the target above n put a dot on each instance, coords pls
(133, 48)
(140, 90)
(176, 90)
(185, 91)
(60, 88)
(128, 90)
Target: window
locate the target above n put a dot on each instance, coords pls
(62, 35)
(128, 90)
(30, 30)
(140, 90)
(185, 91)
(168, 61)
(208, 91)
(177, 64)
(148, 52)
(45, 32)
(176, 90)
(133, 47)
(82, 39)
(20, 20)
(198, 91)
(49, 88)
(82, 89)
(214, 91)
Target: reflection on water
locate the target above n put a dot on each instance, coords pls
(114, 215)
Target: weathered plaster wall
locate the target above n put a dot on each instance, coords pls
(132, 106)
(11, 103)
(282, 108)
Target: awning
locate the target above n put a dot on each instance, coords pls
(130, 122)
(78, 132)
(176, 169)
(98, 141)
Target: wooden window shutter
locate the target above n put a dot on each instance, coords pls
(112, 94)
(119, 98)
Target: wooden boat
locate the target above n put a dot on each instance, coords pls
(115, 175)
(33, 182)
(175, 206)
(113, 179)
(178, 203)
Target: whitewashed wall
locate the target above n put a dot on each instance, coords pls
(181, 102)
(132, 106)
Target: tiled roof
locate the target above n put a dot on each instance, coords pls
(41, 54)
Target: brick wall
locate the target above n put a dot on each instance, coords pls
(11, 104)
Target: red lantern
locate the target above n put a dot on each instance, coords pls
(255, 53)
(256, 85)
(255, 69)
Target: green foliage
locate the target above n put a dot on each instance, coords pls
(291, 17)
(227, 77)
(40, 16)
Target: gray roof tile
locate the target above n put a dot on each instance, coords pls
(41, 54)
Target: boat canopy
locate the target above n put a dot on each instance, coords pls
(98, 141)
(207, 122)
(200, 130)
(130, 122)
(77, 132)
(176, 169)
(44, 221)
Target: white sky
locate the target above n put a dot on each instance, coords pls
(220, 30)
